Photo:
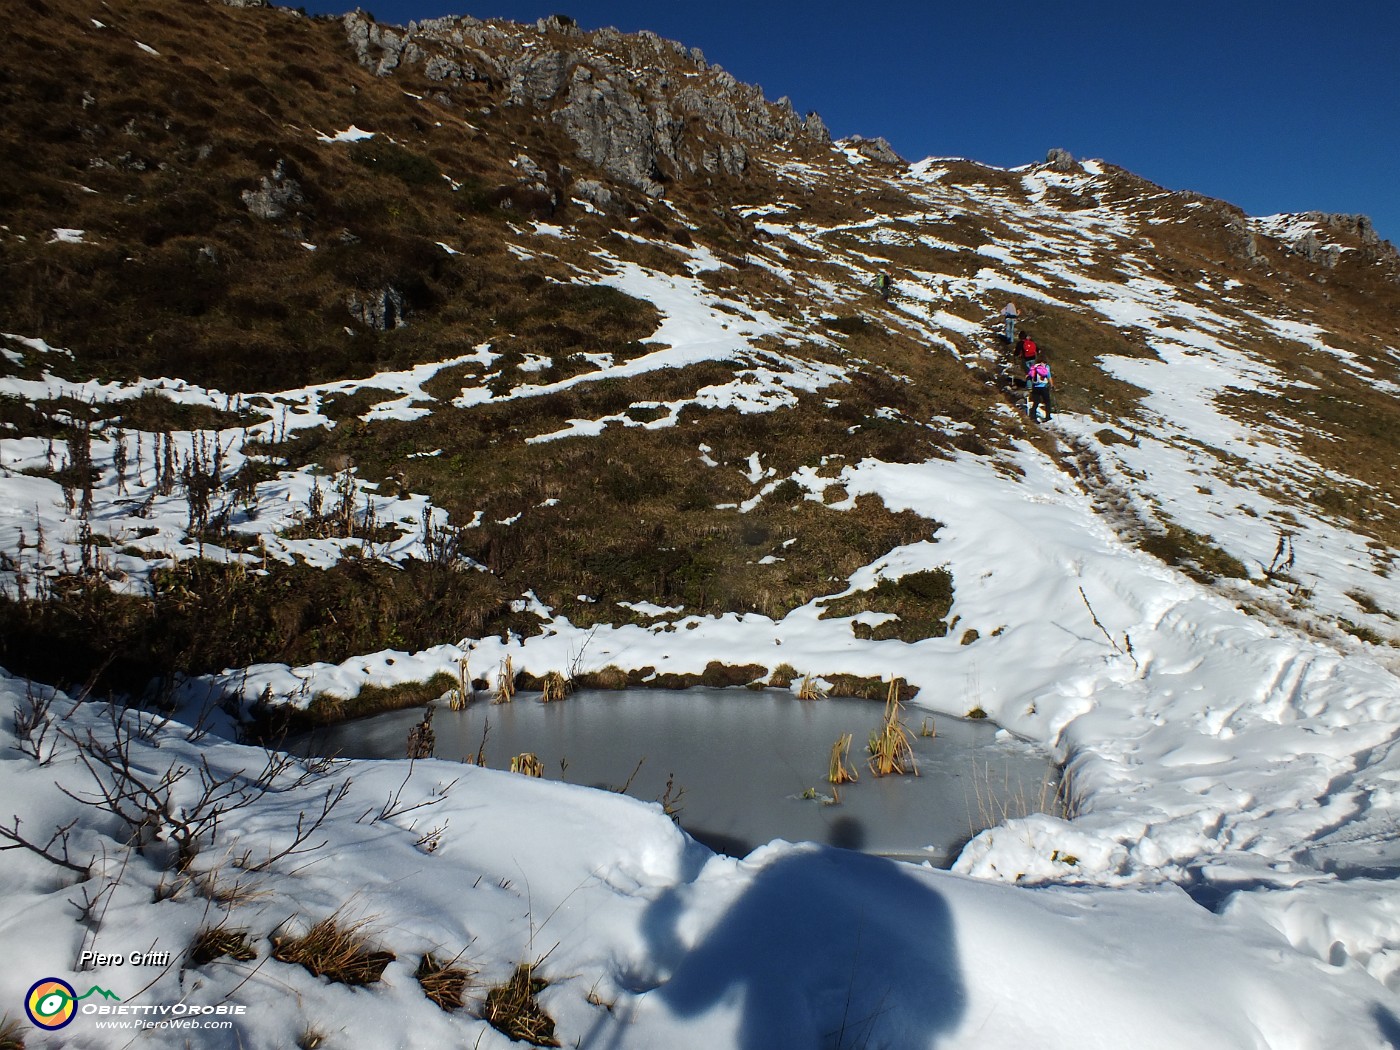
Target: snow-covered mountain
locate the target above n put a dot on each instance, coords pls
(344, 361)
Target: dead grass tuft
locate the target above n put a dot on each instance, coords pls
(891, 750)
(511, 1008)
(462, 692)
(505, 683)
(335, 950)
(554, 687)
(609, 677)
(782, 676)
(1194, 554)
(998, 800)
(919, 602)
(443, 982)
(218, 942)
(230, 894)
(527, 764)
(841, 771)
(11, 1034)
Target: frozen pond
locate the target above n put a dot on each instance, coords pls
(745, 759)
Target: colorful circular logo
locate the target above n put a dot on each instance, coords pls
(51, 1003)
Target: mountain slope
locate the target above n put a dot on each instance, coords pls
(262, 235)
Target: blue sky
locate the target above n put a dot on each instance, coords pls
(1287, 105)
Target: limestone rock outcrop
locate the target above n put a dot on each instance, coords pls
(277, 195)
(876, 149)
(382, 310)
(641, 109)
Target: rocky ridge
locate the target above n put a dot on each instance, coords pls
(643, 109)
(1324, 237)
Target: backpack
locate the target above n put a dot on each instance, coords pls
(1029, 349)
(1039, 374)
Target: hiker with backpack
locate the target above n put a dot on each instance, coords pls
(883, 284)
(1008, 317)
(1039, 383)
(1026, 351)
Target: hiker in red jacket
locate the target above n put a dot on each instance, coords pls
(1029, 352)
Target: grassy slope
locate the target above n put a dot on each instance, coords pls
(152, 154)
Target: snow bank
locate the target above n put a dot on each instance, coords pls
(645, 938)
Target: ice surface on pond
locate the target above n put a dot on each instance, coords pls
(745, 759)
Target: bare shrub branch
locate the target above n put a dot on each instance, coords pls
(394, 806)
(166, 806)
(32, 723)
(59, 856)
(305, 829)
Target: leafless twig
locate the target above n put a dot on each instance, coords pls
(394, 806)
(32, 723)
(170, 806)
(305, 829)
(1111, 641)
(59, 856)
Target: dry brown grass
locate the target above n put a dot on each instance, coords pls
(444, 982)
(505, 683)
(232, 893)
(554, 687)
(998, 800)
(231, 94)
(206, 617)
(11, 1034)
(527, 764)
(511, 1008)
(782, 676)
(1194, 554)
(1347, 425)
(891, 750)
(218, 942)
(841, 771)
(335, 949)
(919, 601)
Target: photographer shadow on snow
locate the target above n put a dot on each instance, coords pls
(1388, 1024)
(825, 949)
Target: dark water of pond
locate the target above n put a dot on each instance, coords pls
(745, 759)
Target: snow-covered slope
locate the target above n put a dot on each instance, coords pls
(642, 938)
(1209, 751)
